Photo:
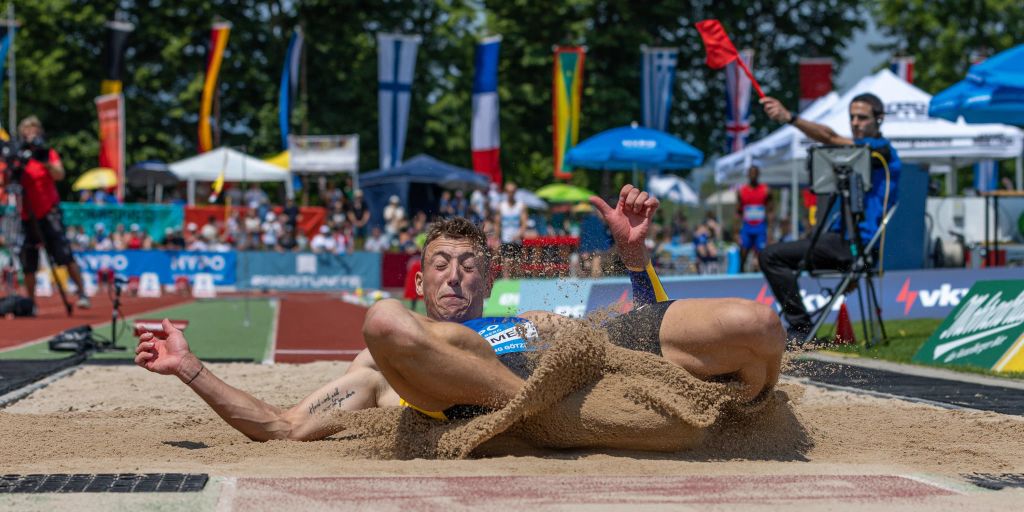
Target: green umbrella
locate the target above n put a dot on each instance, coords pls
(562, 193)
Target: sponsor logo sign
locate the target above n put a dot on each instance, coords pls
(504, 299)
(903, 294)
(166, 265)
(986, 330)
(289, 271)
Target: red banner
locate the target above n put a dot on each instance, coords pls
(815, 80)
(110, 110)
(310, 217)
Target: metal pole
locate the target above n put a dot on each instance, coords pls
(245, 256)
(1020, 172)
(794, 202)
(12, 111)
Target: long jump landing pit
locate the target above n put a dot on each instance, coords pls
(861, 453)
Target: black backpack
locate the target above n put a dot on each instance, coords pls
(17, 305)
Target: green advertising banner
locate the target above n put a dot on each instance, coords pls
(151, 218)
(504, 300)
(985, 331)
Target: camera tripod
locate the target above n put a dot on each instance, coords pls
(849, 196)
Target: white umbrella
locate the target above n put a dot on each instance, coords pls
(724, 197)
(672, 188)
(531, 200)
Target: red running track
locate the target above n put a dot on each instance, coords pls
(318, 327)
(414, 493)
(52, 319)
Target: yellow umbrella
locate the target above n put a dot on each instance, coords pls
(100, 177)
(582, 208)
(282, 159)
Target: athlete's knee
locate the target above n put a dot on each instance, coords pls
(763, 325)
(381, 331)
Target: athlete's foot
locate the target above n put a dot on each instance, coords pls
(83, 302)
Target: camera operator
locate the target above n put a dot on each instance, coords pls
(40, 213)
(781, 262)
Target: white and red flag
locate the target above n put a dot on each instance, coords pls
(815, 79)
(486, 129)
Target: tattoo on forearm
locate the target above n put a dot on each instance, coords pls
(330, 401)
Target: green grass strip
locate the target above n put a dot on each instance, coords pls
(215, 331)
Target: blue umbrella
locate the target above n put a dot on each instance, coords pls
(633, 148)
(993, 92)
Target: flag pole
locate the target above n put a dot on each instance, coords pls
(12, 111)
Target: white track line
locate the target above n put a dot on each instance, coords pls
(228, 489)
(268, 356)
(315, 351)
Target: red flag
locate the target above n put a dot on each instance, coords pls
(721, 51)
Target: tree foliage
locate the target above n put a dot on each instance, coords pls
(943, 36)
(59, 69)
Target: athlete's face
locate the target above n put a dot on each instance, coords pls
(454, 280)
(862, 120)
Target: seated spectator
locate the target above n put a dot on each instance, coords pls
(252, 231)
(173, 240)
(209, 231)
(135, 238)
(287, 243)
(459, 206)
(358, 216)
(323, 242)
(445, 208)
(272, 231)
(378, 241)
(103, 241)
(394, 216)
(119, 237)
(707, 251)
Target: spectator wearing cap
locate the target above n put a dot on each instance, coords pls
(271, 231)
(394, 216)
(323, 241)
(119, 237)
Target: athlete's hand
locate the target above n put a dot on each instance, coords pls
(629, 222)
(163, 355)
(775, 110)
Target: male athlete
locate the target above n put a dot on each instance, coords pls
(442, 366)
(753, 206)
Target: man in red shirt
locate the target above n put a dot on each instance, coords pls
(41, 220)
(753, 208)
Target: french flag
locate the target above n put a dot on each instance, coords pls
(486, 132)
(903, 67)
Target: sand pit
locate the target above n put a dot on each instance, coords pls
(123, 419)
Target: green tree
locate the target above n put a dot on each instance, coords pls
(613, 30)
(943, 36)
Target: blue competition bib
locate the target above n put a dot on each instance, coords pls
(505, 334)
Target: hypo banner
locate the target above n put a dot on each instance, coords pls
(151, 218)
(305, 271)
(903, 294)
(985, 331)
(167, 265)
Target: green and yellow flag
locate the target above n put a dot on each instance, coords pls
(565, 103)
(218, 41)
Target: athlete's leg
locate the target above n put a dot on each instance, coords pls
(714, 338)
(434, 365)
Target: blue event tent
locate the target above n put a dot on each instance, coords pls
(992, 92)
(417, 182)
(633, 148)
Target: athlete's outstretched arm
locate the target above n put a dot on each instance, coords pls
(312, 418)
(629, 222)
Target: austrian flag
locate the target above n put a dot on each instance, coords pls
(486, 135)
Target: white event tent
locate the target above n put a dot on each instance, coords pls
(919, 139)
(237, 166)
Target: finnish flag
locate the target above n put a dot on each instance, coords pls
(396, 63)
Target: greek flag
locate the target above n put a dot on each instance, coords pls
(396, 61)
(737, 103)
(657, 79)
(289, 82)
(986, 176)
